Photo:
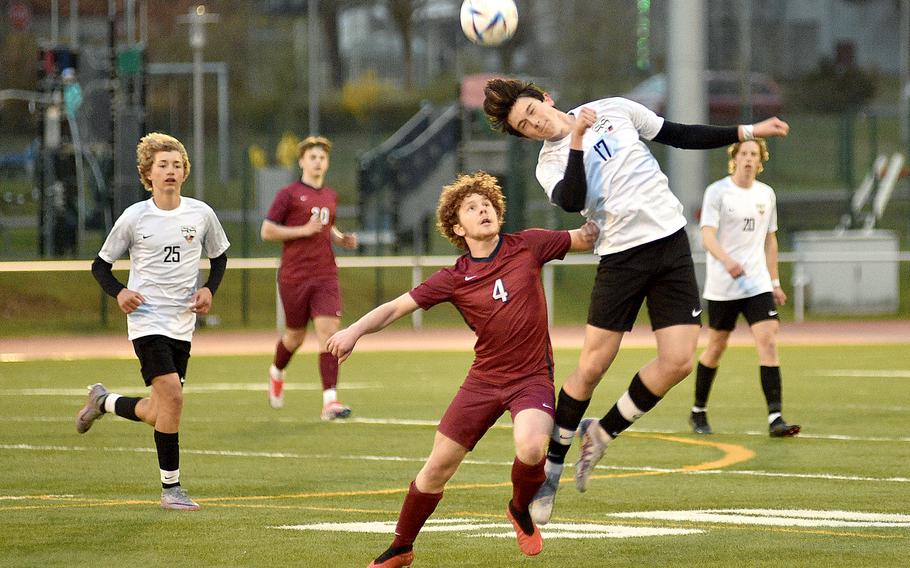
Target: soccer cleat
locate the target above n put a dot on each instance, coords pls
(92, 410)
(592, 449)
(276, 387)
(780, 429)
(699, 423)
(335, 409)
(541, 507)
(398, 557)
(176, 499)
(530, 544)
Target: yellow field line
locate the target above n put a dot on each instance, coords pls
(732, 454)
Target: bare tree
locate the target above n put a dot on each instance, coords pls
(402, 12)
(328, 13)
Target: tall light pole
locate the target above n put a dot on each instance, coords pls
(197, 18)
(313, 65)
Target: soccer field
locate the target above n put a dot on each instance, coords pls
(282, 488)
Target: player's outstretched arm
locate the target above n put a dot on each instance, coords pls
(583, 237)
(769, 128)
(271, 231)
(342, 343)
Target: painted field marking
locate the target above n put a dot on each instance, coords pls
(865, 373)
(473, 528)
(189, 388)
(273, 418)
(776, 517)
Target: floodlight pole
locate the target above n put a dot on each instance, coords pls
(197, 18)
(312, 65)
(903, 104)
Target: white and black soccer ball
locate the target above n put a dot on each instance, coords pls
(489, 22)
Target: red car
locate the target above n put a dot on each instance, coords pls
(723, 96)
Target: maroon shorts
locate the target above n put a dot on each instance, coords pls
(306, 299)
(479, 404)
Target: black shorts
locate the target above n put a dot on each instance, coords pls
(722, 314)
(161, 355)
(661, 271)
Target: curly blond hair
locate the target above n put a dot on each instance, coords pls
(763, 154)
(313, 142)
(148, 146)
(482, 184)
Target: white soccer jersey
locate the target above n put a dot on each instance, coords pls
(165, 248)
(628, 195)
(743, 218)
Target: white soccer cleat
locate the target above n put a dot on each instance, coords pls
(276, 387)
(592, 449)
(176, 499)
(541, 506)
(92, 410)
(334, 410)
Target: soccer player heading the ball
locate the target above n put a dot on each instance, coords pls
(166, 236)
(302, 218)
(496, 287)
(739, 231)
(593, 162)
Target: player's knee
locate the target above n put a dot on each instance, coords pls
(434, 477)
(293, 339)
(677, 367)
(590, 372)
(531, 450)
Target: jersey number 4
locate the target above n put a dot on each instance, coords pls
(499, 291)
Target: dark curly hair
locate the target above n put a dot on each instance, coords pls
(482, 184)
(499, 98)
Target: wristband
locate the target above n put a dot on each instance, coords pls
(775, 282)
(748, 132)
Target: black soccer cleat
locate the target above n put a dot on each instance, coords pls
(699, 423)
(780, 429)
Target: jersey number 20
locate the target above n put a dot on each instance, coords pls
(322, 213)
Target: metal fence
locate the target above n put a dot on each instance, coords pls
(799, 282)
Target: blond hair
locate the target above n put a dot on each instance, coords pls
(313, 142)
(482, 184)
(763, 154)
(151, 144)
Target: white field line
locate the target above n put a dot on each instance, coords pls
(419, 459)
(774, 517)
(189, 389)
(865, 373)
(502, 530)
(272, 417)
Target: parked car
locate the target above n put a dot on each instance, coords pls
(723, 96)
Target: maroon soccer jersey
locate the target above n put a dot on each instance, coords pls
(501, 298)
(307, 257)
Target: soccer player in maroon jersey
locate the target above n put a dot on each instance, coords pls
(302, 217)
(496, 287)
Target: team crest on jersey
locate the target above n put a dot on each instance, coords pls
(761, 208)
(189, 232)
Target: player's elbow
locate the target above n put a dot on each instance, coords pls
(267, 231)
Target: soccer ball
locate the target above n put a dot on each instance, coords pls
(489, 22)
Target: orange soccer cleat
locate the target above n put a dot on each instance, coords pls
(530, 544)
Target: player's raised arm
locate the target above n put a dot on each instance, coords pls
(342, 343)
(583, 237)
(768, 128)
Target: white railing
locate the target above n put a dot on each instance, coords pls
(418, 263)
